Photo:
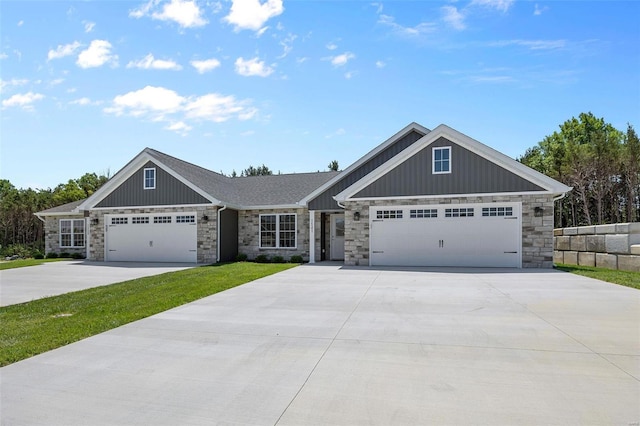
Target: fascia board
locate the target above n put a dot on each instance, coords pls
(274, 207)
(364, 159)
(74, 212)
(439, 196)
(158, 206)
(127, 171)
(466, 142)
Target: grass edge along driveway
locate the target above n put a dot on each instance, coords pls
(23, 263)
(615, 276)
(38, 326)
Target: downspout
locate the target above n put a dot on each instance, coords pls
(218, 233)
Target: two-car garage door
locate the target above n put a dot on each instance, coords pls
(486, 235)
(158, 237)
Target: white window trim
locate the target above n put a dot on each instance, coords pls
(433, 160)
(277, 215)
(84, 232)
(144, 178)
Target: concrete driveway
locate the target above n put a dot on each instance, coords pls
(21, 285)
(354, 346)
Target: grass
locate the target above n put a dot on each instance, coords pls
(21, 263)
(41, 325)
(625, 278)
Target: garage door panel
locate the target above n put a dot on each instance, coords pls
(151, 242)
(470, 239)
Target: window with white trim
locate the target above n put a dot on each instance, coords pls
(186, 219)
(389, 214)
(150, 178)
(441, 160)
(459, 212)
(278, 230)
(497, 211)
(71, 232)
(423, 213)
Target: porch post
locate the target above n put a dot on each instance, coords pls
(312, 237)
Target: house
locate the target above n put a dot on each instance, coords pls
(421, 198)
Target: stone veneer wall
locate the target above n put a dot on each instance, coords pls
(604, 246)
(52, 236)
(249, 233)
(207, 231)
(537, 232)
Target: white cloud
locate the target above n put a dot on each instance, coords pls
(24, 101)
(89, 26)
(338, 132)
(418, 30)
(14, 82)
(56, 81)
(63, 50)
(3, 56)
(20, 23)
(205, 65)
(341, 60)
(252, 67)
(287, 44)
(453, 17)
(97, 54)
(185, 13)
(499, 5)
(159, 104)
(537, 11)
(349, 74)
(531, 44)
(380, 64)
(149, 62)
(252, 14)
(331, 46)
(84, 101)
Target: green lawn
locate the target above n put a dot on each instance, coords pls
(626, 278)
(34, 327)
(21, 263)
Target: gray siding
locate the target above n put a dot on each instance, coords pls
(228, 235)
(169, 191)
(470, 174)
(325, 200)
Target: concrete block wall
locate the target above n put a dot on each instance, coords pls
(614, 246)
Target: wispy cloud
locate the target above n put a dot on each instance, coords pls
(23, 100)
(252, 14)
(159, 104)
(499, 5)
(84, 102)
(149, 62)
(185, 13)
(252, 67)
(380, 64)
(341, 60)
(89, 26)
(453, 17)
(96, 55)
(537, 11)
(64, 50)
(205, 65)
(407, 31)
(530, 44)
(14, 82)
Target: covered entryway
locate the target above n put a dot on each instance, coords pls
(157, 237)
(484, 235)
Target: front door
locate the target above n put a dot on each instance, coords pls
(337, 237)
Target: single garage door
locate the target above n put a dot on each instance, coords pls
(485, 235)
(159, 237)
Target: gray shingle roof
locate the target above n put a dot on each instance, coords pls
(64, 208)
(247, 191)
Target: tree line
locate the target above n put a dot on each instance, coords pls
(21, 232)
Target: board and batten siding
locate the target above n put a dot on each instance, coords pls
(325, 200)
(470, 174)
(168, 191)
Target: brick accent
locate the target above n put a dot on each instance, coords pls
(537, 232)
(249, 237)
(207, 231)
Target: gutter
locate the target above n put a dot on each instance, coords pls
(218, 233)
(39, 217)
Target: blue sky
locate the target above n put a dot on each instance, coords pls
(86, 85)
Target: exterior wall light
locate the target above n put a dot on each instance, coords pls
(205, 218)
(356, 216)
(95, 221)
(538, 211)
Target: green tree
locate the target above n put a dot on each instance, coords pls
(257, 171)
(333, 166)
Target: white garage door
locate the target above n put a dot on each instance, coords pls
(487, 235)
(160, 237)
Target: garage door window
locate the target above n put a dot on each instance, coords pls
(119, 220)
(497, 211)
(278, 231)
(461, 212)
(423, 213)
(389, 214)
(72, 233)
(162, 219)
(140, 220)
(186, 219)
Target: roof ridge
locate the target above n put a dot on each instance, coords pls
(155, 152)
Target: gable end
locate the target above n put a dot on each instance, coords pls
(470, 174)
(168, 191)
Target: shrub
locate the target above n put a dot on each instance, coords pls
(20, 250)
(52, 255)
(262, 258)
(38, 256)
(277, 259)
(296, 258)
(77, 256)
(64, 254)
(241, 257)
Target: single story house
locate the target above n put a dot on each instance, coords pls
(421, 198)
